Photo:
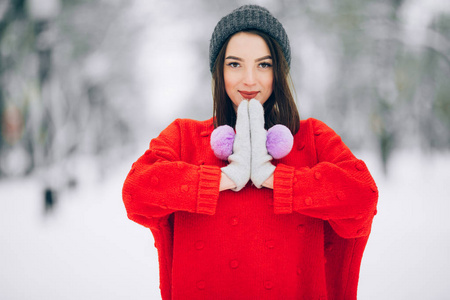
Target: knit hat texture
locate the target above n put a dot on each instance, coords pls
(245, 18)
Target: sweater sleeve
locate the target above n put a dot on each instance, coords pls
(160, 183)
(339, 188)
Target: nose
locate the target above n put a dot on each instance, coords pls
(249, 77)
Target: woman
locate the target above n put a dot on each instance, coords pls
(252, 227)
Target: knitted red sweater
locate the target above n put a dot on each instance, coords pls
(302, 240)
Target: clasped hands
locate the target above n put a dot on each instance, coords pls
(250, 159)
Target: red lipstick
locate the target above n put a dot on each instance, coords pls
(248, 95)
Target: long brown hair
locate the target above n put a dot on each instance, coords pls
(280, 108)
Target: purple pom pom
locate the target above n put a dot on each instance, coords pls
(222, 139)
(279, 141)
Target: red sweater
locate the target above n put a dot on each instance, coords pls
(302, 240)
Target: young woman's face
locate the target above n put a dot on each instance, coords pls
(248, 72)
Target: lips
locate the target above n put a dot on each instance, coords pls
(248, 95)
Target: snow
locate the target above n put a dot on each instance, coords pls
(85, 249)
(407, 256)
(88, 249)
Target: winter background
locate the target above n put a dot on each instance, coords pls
(85, 85)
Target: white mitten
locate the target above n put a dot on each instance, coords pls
(262, 168)
(238, 170)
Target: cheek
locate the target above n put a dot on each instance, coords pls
(230, 83)
(268, 84)
(229, 79)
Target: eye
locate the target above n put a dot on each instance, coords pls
(233, 64)
(265, 65)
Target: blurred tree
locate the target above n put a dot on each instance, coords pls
(65, 72)
(387, 68)
(9, 12)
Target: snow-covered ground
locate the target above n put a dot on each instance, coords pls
(88, 249)
(408, 253)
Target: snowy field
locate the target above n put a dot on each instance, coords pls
(88, 249)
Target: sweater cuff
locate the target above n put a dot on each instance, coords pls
(283, 189)
(208, 189)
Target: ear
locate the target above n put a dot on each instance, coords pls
(222, 139)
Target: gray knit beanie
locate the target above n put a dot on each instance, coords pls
(244, 18)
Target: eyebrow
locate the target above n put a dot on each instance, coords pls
(263, 58)
(256, 60)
